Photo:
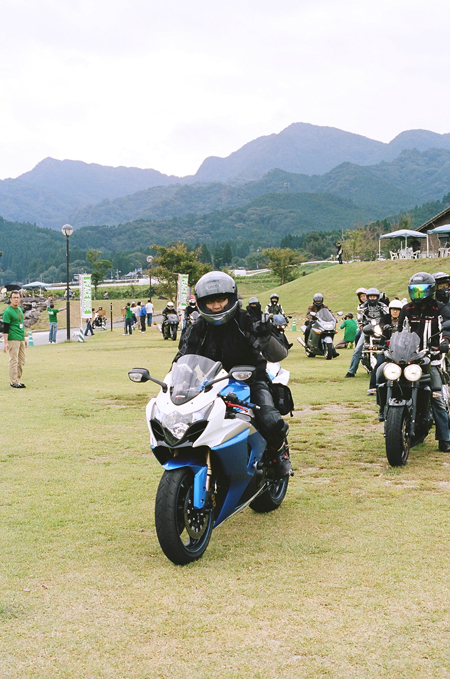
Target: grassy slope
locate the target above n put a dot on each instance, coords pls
(347, 578)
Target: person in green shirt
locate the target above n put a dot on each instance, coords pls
(53, 320)
(14, 339)
(350, 328)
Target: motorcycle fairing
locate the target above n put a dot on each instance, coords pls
(239, 458)
(200, 474)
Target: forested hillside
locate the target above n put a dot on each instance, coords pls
(290, 220)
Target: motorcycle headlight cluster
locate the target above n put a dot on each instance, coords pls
(412, 372)
(178, 423)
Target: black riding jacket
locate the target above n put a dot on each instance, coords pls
(424, 320)
(234, 343)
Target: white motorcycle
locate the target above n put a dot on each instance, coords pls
(203, 432)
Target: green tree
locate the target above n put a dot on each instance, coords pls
(170, 261)
(284, 263)
(99, 268)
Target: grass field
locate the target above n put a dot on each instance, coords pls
(349, 578)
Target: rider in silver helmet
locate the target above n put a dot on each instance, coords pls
(226, 333)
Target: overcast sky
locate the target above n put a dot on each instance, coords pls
(165, 84)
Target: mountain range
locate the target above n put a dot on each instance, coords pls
(377, 178)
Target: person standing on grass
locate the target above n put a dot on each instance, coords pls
(142, 317)
(150, 310)
(14, 339)
(53, 320)
(128, 320)
(89, 324)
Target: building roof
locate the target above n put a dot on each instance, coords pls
(438, 220)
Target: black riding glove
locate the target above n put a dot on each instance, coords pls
(263, 327)
(444, 345)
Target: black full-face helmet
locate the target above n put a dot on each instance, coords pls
(421, 287)
(212, 286)
(442, 281)
(318, 299)
(373, 292)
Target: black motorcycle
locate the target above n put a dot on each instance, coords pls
(405, 396)
(170, 327)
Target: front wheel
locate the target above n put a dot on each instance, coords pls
(398, 439)
(173, 333)
(272, 497)
(183, 531)
(329, 351)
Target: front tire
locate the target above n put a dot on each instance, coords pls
(398, 440)
(329, 351)
(173, 334)
(272, 497)
(183, 531)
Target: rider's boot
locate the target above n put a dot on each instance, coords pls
(444, 446)
(282, 461)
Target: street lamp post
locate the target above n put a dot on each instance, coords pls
(150, 260)
(67, 230)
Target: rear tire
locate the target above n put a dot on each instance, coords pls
(272, 497)
(398, 440)
(183, 531)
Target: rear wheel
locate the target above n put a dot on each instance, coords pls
(398, 440)
(272, 497)
(183, 531)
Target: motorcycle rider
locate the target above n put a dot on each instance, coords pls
(314, 308)
(169, 309)
(390, 325)
(189, 310)
(254, 309)
(226, 333)
(274, 307)
(370, 310)
(424, 313)
(442, 281)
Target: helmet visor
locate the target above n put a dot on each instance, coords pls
(421, 291)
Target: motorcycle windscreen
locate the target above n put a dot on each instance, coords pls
(403, 346)
(325, 315)
(189, 376)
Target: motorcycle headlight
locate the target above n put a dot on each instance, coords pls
(392, 371)
(413, 372)
(178, 423)
(329, 326)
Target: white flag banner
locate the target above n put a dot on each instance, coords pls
(85, 296)
(183, 290)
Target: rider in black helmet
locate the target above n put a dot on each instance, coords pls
(314, 308)
(226, 333)
(442, 281)
(424, 314)
(274, 307)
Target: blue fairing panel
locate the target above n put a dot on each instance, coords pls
(241, 390)
(200, 474)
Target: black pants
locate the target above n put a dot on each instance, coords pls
(270, 423)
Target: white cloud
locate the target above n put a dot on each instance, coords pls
(164, 85)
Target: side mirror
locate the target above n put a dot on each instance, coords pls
(313, 313)
(142, 375)
(340, 313)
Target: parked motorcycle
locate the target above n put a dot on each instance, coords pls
(170, 327)
(405, 396)
(321, 335)
(374, 344)
(203, 432)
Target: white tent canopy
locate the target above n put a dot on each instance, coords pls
(445, 228)
(405, 233)
(36, 284)
(402, 233)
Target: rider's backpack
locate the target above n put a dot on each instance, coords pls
(282, 398)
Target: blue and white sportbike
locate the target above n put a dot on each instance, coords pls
(203, 432)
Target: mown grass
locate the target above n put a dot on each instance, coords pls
(348, 578)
